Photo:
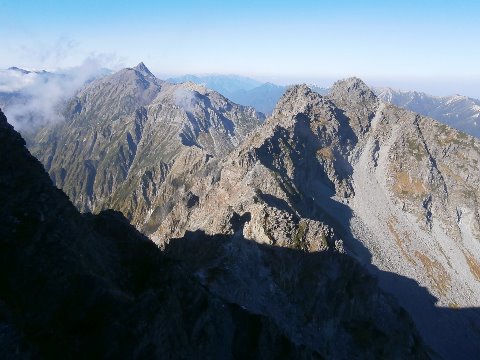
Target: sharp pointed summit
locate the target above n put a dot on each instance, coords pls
(141, 68)
(296, 96)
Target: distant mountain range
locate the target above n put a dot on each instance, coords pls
(243, 90)
(460, 112)
(35, 98)
(25, 72)
(99, 72)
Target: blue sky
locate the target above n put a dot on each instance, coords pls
(429, 44)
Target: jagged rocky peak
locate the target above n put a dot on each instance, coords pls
(137, 75)
(352, 87)
(353, 91)
(298, 99)
(127, 79)
(357, 101)
(116, 95)
(298, 93)
(142, 69)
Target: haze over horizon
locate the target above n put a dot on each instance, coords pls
(412, 45)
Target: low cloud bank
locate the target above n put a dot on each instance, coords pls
(34, 99)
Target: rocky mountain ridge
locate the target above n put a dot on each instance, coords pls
(83, 286)
(349, 173)
(244, 91)
(460, 112)
(344, 172)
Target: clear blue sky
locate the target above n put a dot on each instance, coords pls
(436, 42)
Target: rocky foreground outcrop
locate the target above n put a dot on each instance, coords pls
(91, 286)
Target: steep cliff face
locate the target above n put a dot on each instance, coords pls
(124, 131)
(91, 286)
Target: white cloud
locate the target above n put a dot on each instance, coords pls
(37, 96)
(13, 81)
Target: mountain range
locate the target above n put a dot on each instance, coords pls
(276, 215)
(348, 172)
(91, 286)
(243, 90)
(460, 112)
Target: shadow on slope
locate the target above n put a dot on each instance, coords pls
(454, 333)
(91, 286)
(323, 298)
(325, 301)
